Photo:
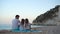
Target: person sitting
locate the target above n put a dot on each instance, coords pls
(15, 23)
(21, 25)
(27, 24)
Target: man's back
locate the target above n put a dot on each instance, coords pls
(15, 23)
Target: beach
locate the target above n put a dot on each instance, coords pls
(9, 32)
(45, 30)
(23, 33)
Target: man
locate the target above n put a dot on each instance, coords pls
(15, 23)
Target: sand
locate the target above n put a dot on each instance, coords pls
(23, 33)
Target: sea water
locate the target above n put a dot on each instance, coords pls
(5, 27)
(9, 27)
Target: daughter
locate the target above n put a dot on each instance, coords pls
(27, 25)
(22, 25)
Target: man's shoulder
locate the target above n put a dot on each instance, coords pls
(13, 19)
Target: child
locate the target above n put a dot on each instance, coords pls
(22, 25)
(27, 25)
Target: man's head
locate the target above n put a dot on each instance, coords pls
(17, 16)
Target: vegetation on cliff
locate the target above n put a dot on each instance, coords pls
(48, 15)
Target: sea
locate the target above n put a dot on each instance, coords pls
(9, 26)
(5, 26)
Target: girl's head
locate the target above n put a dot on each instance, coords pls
(22, 21)
(26, 20)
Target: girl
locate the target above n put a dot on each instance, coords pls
(22, 25)
(27, 24)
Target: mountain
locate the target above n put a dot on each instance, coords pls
(49, 15)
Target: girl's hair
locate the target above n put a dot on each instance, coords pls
(22, 21)
(26, 20)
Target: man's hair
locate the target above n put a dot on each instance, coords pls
(17, 16)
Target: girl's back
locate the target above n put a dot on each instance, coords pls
(27, 24)
(22, 25)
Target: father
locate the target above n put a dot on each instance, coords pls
(15, 23)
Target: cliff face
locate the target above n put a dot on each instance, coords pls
(49, 15)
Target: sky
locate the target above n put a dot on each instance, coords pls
(25, 8)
